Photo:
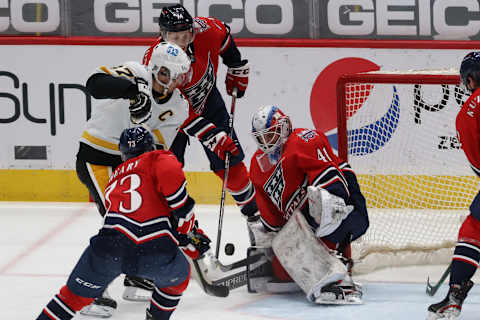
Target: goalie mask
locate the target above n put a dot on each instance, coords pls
(134, 142)
(270, 129)
(169, 64)
(470, 68)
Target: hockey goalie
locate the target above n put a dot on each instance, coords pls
(311, 208)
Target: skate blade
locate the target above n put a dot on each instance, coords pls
(136, 294)
(97, 311)
(329, 299)
(434, 316)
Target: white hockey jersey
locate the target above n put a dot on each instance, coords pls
(103, 129)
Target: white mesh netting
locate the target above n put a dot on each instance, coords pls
(418, 184)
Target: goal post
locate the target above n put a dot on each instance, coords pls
(397, 130)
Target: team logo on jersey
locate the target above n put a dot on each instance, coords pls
(275, 185)
(307, 134)
(296, 200)
(198, 93)
(369, 137)
(200, 25)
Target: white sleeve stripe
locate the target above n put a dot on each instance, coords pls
(204, 129)
(180, 203)
(323, 174)
(225, 44)
(177, 193)
(463, 244)
(193, 123)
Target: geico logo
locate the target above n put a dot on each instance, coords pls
(143, 17)
(455, 19)
(87, 284)
(47, 20)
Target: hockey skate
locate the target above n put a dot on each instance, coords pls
(342, 292)
(148, 315)
(450, 307)
(137, 289)
(102, 307)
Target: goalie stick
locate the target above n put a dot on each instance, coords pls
(238, 264)
(432, 289)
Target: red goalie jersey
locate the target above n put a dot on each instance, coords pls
(212, 38)
(468, 130)
(307, 159)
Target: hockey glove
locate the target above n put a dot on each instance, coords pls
(185, 225)
(220, 143)
(237, 77)
(141, 105)
(195, 244)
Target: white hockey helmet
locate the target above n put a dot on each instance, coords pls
(169, 59)
(270, 128)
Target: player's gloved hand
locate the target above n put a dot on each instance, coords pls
(195, 244)
(141, 105)
(259, 236)
(185, 225)
(237, 77)
(200, 241)
(220, 143)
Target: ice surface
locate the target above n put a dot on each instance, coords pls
(41, 242)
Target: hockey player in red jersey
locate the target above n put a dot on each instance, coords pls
(466, 256)
(148, 209)
(206, 40)
(299, 181)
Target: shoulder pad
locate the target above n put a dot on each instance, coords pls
(129, 70)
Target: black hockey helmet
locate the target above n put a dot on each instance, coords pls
(134, 142)
(470, 67)
(174, 19)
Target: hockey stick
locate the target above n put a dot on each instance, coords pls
(432, 289)
(225, 175)
(238, 264)
(216, 290)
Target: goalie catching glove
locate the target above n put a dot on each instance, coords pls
(141, 105)
(327, 210)
(237, 77)
(219, 142)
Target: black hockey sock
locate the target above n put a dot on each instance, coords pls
(163, 304)
(465, 262)
(56, 309)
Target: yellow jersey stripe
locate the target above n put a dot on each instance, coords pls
(99, 142)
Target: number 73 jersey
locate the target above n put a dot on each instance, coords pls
(307, 159)
(143, 193)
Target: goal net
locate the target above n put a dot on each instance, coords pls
(397, 130)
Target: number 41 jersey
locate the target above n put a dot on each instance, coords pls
(307, 159)
(141, 194)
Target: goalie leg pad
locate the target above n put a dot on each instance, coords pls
(306, 259)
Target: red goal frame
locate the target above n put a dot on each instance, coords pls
(379, 77)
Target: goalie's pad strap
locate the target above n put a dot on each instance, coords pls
(306, 259)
